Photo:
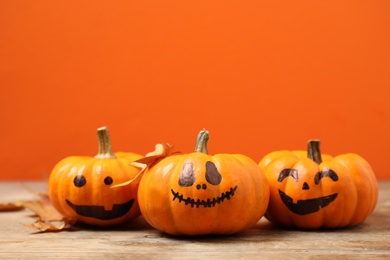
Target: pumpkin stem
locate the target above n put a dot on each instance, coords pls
(313, 151)
(201, 141)
(104, 144)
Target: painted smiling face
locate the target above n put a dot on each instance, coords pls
(198, 194)
(311, 191)
(211, 180)
(104, 207)
(82, 190)
(306, 205)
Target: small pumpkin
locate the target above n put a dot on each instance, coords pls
(81, 187)
(309, 190)
(198, 194)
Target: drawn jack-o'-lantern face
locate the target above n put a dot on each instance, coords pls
(310, 205)
(102, 209)
(212, 178)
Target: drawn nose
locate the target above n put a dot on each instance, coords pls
(203, 186)
(305, 186)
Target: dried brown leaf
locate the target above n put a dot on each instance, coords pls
(48, 218)
(8, 206)
(43, 208)
(46, 226)
(161, 151)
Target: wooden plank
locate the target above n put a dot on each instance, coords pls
(369, 240)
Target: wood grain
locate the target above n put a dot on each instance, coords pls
(370, 240)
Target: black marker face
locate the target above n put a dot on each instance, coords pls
(79, 181)
(97, 211)
(212, 174)
(187, 179)
(303, 207)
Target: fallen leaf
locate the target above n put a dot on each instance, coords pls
(48, 218)
(43, 208)
(161, 151)
(8, 206)
(51, 225)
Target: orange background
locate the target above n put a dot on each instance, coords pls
(259, 75)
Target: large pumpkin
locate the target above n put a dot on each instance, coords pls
(81, 187)
(198, 194)
(310, 190)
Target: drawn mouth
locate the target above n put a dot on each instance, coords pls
(118, 210)
(205, 203)
(303, 207)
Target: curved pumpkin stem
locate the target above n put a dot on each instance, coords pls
(313, 151)
(201, 141)
(104, 144)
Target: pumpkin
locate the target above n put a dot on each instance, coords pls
(81, 187)
(309, 190)
(198, 194)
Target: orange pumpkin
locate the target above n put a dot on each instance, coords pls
(81, 187)
(311, 191)
(198, 194)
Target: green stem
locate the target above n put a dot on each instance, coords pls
(313, 151)
(201, 141)
(104, 144)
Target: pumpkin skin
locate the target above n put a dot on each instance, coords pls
(81, 187)
(312, 191)
(198, 194)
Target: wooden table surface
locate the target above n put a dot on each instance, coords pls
(370, 240)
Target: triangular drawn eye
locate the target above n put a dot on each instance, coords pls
(325, 173)
(288, 172)
(187, 176)
(212, 174)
